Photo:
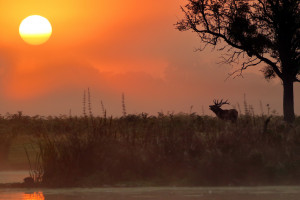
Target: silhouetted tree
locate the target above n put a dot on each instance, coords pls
(256, 31)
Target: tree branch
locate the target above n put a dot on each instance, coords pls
(272, 64)
(245, 65)
(204, 20)
(262, 58)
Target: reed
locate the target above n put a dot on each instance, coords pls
(5, 143)
(166, 149)
(181, 149)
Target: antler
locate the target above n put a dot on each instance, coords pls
(217, 103)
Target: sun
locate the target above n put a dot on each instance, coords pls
(35, 29)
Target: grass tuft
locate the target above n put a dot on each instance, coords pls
(168, 149)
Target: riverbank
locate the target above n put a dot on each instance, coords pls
(155, 193)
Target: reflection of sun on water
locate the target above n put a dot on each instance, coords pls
(34, 196)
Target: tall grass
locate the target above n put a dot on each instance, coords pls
(181, 149)
(5, 143)
(8, 131)
(167, 149)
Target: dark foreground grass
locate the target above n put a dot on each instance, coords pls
(181, 149)
(172, 150)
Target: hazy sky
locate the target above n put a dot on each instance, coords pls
(115, 46)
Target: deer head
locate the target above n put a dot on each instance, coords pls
(231, 114)
(217, 105)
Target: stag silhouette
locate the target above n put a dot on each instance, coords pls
(231, 114)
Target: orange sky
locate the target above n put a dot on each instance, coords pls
(115, 46)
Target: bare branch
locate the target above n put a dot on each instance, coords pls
(228, 41)
(245, 65)
(247, 27)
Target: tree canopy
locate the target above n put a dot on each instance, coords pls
(262, 31)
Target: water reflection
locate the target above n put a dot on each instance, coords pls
(11, 195)
(155, 193)
(33, 196)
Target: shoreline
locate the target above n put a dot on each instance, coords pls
(22, 185)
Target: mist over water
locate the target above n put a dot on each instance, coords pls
(155, 193)
(13, 176)
(149, 193)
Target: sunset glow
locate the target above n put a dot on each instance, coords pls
(131, 99)
(35, 30)
(113, 47)
(34, 196)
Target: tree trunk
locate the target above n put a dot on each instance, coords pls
(288, 101)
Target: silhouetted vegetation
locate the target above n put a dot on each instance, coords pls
(167, 149)
(251, 33)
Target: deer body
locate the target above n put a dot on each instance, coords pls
(231, 114)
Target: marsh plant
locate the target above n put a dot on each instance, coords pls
(167, 149)
(9, 128)
(5, 143)
(173, 149)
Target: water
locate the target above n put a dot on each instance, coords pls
(145, 193)
(155, 193)
(13, 176)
